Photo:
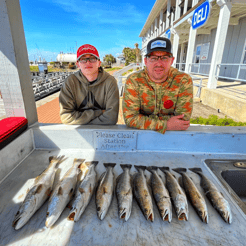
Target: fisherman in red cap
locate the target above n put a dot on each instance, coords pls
(91, 95)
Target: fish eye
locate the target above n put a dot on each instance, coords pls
(98, 208)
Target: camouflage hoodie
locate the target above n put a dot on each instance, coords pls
(148, 105)
(83, 103)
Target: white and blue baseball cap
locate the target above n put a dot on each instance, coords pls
(159, 44)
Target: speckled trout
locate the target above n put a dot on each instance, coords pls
(84, 191)
(161, 194)
(105, 190)
(194, 195)
(124, 192)
(38, 193)
(142, 193)
(214, 196)
(63, 193)
(178, 196)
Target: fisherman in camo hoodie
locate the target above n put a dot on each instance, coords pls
(159, 97)
(91, 95)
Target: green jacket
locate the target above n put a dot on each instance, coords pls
(148, 105)
(82, 103)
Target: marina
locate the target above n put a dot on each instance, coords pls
(31, 132)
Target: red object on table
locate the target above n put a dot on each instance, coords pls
(10, 128)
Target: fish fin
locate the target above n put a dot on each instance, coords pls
(173, 175)
(163, 169)
(27, 190)
(90, 189)
(109, 165)
(60, 191)
(58, 159)
(89, 163)
(123, 166)
(179, 170)
(104, 190)
(140, 167)
(222, 194)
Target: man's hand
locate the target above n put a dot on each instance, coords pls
(176, 123)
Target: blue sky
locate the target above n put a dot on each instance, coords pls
(52, 26)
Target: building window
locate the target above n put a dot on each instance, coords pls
(198, 53)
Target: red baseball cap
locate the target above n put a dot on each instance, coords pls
(87, 49)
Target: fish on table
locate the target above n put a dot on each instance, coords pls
(63, 193)
(105, 190)
(38, 193)
(84, 192)
(178, 196)
(142, 193)
(161, 194)
(124, 192)
(214, 196)
(194, 195)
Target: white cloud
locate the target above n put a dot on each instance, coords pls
(101, 13)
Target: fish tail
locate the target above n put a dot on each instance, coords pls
(57, 159)
(152, 168)
(140, 167)
(78, 162)
(197, 170)
(179, 170)
(128, 166)
(109, 165)
(163, 169)
(89, 163)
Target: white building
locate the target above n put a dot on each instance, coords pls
(120, 59)
(216, 49)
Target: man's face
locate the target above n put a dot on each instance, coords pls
(89, 68)
(158, 70)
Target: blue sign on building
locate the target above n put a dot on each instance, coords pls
(201, 15)
(168, 34)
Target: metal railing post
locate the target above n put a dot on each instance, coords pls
(238, 71)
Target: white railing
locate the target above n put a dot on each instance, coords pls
(119, 75)
(125, 69)
(198, 65)
(240, 67)
(121, 85)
